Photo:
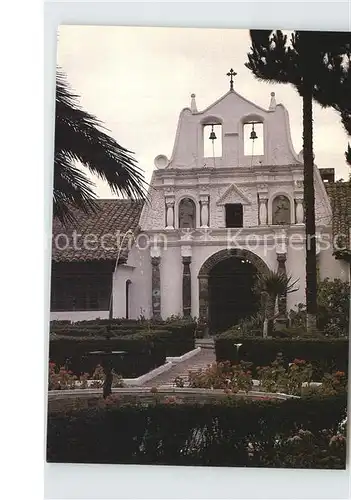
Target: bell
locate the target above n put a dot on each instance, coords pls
(212, 136)
(253, 134)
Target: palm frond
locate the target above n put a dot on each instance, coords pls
(348, 155)
(275, 283)
(72, 190)
(81, 138)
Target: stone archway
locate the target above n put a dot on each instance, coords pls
(205, 272)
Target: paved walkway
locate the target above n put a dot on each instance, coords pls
(201, 360)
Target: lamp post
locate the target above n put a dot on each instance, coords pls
(106, 358)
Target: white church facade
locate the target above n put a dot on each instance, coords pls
(227, 204)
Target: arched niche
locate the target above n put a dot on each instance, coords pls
(281, 210)
(211, 148)
(259, 145)
(186, 213)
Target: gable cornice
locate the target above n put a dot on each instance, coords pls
(232, 188)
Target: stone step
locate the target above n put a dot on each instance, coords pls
(207, 343)
(204, 358)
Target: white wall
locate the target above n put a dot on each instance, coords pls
(232, 110)
(295, 267)
(140, 288)
(171, 274)
(330, 267)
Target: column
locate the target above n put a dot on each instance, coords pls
(299, 211)
(203, 306)
(281, 258)
(186, 287)
(263, 210)
(156, 287)
(186, 252)
(204, 201)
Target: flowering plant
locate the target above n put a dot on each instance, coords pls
(60, 378)
(99, 377)
(275, 378)
(179, 381)
(222, 375)
(334, 383)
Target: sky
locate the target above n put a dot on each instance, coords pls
(136, 80)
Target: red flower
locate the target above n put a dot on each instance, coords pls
(170, 400)
(299, 361)
(339, 374)
(52, 365)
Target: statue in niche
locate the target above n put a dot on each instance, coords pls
(281, 210)
(187, 213)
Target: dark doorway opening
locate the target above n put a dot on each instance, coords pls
(231, 293)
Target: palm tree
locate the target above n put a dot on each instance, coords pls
(348, 156)
(334, 89)
(272, 285)
(301, 60)
(80, 138)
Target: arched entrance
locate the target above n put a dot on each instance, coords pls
(226, 283)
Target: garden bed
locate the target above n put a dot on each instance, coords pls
(325, 355)
(62, 379)
(302, 433)
(146, 347)
(88, 398)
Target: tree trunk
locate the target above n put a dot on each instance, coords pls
(309, 206)
(271, 315)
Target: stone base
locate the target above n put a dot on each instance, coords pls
(282, 322)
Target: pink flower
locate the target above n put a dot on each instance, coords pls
(170, 400)
(299, 361)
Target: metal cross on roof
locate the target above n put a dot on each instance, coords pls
(231, 73)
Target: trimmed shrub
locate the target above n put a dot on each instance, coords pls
(59, 322)
(75, 330)
(326, 355)
(240, 433)
(180, 340)
(145, 350)
(333, 307)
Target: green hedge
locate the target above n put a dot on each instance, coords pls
(325, 355)
(145, 350)
(182, 337)
(208, 434)
(180, 341)
(94, 330)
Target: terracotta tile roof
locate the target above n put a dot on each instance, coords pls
(96, 236)
(340, 199)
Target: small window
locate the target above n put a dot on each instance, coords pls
(253, 139)
(128, 283)
(212, 141)
(234, 215)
